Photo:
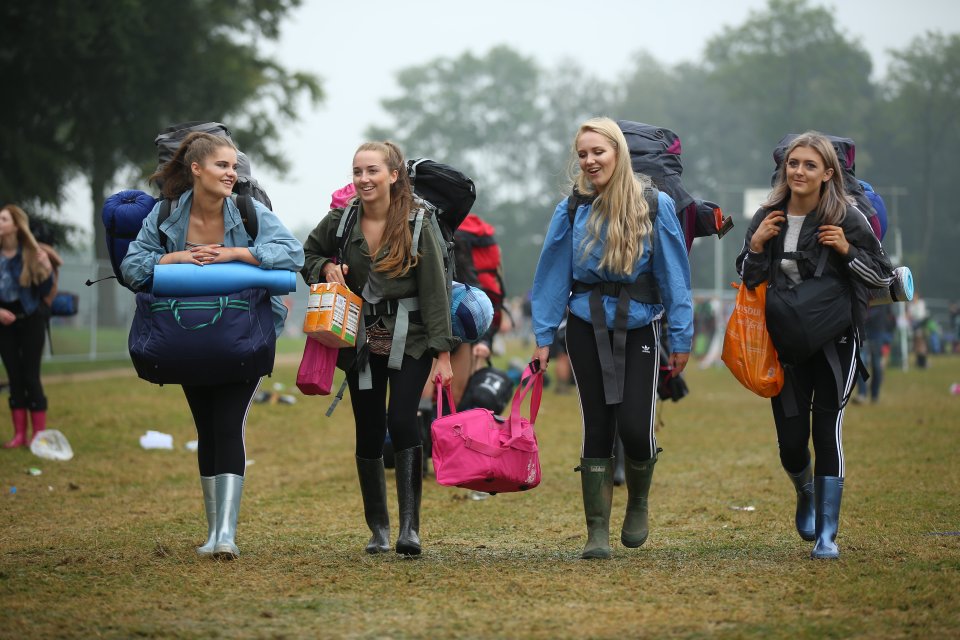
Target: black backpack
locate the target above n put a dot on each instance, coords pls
(846, 150)
(447, 195)
(168, 141)
(655, 152)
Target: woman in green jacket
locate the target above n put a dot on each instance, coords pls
(406, 307)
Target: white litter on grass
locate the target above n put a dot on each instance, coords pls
(50, 444)
(191, 445)
(156, 440)
(749, 507)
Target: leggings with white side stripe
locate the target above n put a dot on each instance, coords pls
(220, 413)
(816, 391)
(635, 417)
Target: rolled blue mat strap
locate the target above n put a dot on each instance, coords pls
(219, 279)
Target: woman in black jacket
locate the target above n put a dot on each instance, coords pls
(819, 256)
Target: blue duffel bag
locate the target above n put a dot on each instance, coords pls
(203, 340)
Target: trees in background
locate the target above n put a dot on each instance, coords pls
(92, 84)
(509, 123)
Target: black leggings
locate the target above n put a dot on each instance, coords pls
(21, 347)
(815, 384)
(372, 413)
(220, 413)
(635, 417)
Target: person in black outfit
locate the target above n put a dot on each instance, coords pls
(807, 214)
(26, 277)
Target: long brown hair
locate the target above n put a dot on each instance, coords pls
(397, 234)
(621, 205)
(176, 176)
(32, 272)
(832, 207)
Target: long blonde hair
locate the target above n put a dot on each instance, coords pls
(621, 205)
(832, 207)
(398, 237)
(33, 272)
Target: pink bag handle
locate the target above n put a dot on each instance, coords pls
(440, 391)
(532, 378)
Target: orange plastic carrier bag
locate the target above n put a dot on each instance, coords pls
(748, 350)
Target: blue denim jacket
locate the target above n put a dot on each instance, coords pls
(275, 247)
(30, 297)
(562, 262)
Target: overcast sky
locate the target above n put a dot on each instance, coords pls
(357, 47)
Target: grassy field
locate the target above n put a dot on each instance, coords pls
(103, 545)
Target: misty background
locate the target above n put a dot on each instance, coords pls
(497, 89)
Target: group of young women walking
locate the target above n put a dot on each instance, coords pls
(615, 263)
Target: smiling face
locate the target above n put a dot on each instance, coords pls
(806, 172)
(217, 173)
(372, 177)
(597, 158)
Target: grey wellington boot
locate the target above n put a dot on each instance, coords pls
(806, 517)
(409, 490)
(229, 490)
(639, 476)
(596, 481)
(828, 490)
(209, 486)
(373, 488)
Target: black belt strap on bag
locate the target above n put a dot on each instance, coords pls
(613, 359)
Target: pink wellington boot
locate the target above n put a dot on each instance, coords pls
(39, 421)
(19, 429)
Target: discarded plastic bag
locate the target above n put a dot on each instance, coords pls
(156, 440)
(50, 444)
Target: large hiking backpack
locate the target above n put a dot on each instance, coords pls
(123, 214)
(445, 196)
(846, 153)
(168, 141)
(124, 211)
(476, 238)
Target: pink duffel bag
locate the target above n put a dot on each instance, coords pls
(319, 362)
(476, 449)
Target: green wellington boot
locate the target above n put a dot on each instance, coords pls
(596, 481)
(639, 476)
(373, 489)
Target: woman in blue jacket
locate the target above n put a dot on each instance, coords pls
(615, 256)
(204, 228)
(26, 276)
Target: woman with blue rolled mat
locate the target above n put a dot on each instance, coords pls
(205, 228)
(405, 305)
(615, 256)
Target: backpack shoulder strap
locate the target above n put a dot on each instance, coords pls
(248, 213)
(347, 220)
(166, 205)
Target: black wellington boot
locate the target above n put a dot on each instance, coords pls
(373, 488)
(806, 516)
(829, 490)
(409, 490)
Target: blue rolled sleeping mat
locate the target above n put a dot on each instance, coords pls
(217, 279)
